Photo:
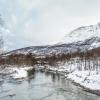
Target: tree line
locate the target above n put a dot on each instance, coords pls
(88, 60)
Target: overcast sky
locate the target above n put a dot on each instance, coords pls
(40, 22)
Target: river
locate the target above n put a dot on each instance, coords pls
(43, 86)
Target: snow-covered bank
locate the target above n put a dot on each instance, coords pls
(19, 73)
(88, 80)
(15, 72)
(91, 81)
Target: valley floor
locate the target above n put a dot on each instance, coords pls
(89, 80)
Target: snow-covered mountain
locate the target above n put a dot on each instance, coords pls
(83, 38)
(82, 33)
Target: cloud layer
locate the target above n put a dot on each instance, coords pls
(40, 22)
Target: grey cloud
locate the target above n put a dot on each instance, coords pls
(46, 21)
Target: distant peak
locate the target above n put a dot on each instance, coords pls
(82, 33)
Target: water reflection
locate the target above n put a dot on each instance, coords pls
(31, 74)
(54, 76)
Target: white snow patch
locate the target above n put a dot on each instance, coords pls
(91, 81)
(16, 72)
(82, 33)
(19, 73)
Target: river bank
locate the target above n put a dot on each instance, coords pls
(88, 81)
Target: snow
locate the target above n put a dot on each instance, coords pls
(90, 80)
(83, 78)
(19, 73)
(95, 45)
(82, 33)
(15, 72)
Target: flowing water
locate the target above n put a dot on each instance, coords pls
(43, 86)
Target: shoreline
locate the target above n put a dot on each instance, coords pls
(96, 92)
(64, 73)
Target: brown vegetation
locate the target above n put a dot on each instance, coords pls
(89, 60)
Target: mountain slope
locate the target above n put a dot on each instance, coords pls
(59, 49)
(82, 33)
(83, 39)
